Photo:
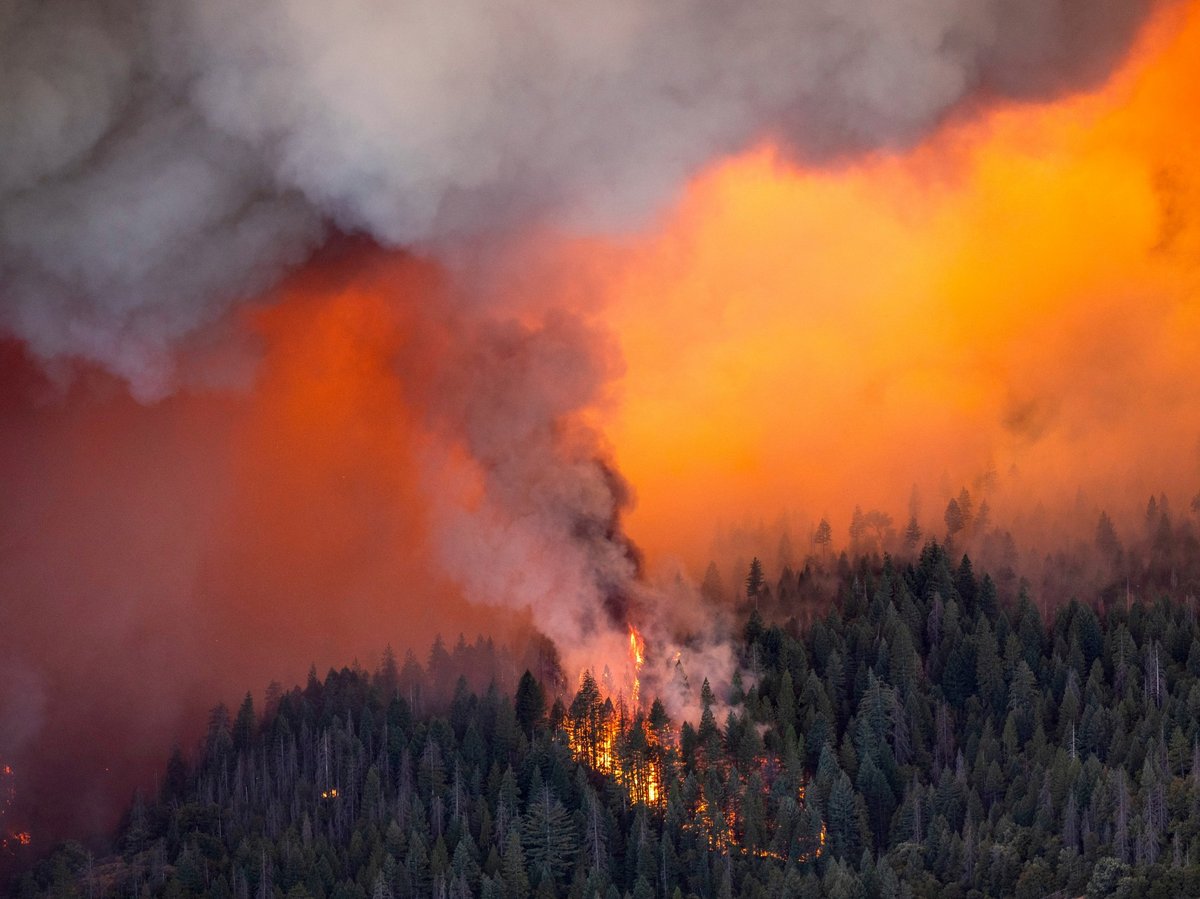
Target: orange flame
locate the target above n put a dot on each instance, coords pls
(602, 736)
(637, 649)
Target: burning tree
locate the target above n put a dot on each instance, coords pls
(753, 806)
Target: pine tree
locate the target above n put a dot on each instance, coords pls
(845, 840)
(512, 868)
(595, 833)
(912, 534)
(712, 589)
(1070, 833)
(530, 703)
(954, 519)
(1121, 818)
(587, 717)
(880, 801)
(786, 709)
(755, 581)
(548, 836)
(823, 537)
(245, 725)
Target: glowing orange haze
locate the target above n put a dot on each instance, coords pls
(162, 558)
(1018, 291)
(1016, 295)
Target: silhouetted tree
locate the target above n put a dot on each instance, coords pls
(530, 703)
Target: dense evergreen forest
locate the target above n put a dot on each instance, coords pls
(926, 736)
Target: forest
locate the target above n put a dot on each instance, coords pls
(928, 733)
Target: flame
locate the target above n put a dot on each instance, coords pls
(616, 741)
(637, 649)
(601, 734)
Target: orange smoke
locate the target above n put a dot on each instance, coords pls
(164, 558)
(1015, 296)
(326, 510)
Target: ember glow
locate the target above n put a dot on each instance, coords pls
(639, 749)
(724, 827)
(616, 744)
(616, 739)
(12, 836)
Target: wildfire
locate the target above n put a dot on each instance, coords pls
(330, 793)
(606, 737)
(640, 752)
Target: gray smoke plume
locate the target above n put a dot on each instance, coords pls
(159, 161)
(539, 525)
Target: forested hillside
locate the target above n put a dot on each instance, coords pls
(923, 738)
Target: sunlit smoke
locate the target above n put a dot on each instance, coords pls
(1009, 308)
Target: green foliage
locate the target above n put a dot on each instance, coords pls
(530, 703)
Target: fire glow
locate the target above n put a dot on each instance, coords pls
(640, 750)
(1014, 294)
(615, 740)
(10, 838)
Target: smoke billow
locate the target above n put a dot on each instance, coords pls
(161, 160)
(536, 520)
(163, 163)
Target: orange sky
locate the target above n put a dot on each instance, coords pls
(1017, 291)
